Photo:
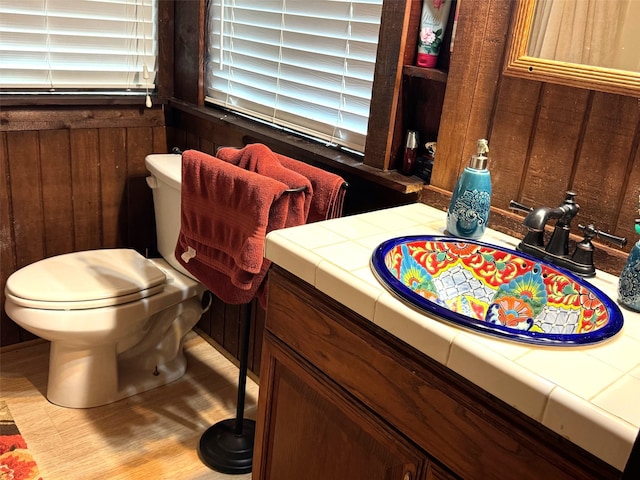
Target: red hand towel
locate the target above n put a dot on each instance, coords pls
(327, 195)
(328, 191)
(226, 213)
(260, 159)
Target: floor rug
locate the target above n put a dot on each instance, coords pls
(16, 463)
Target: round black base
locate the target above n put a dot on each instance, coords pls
(223, 450)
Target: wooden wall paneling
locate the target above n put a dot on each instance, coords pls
(224, 136)
(141, 234)
(222, 324)
(207, 145)
(257, 330)
(199, 134)
(513, 122)
(9, 331)
(233, 317)
(380, 148)
(194, 134)
(55, 167)
(631, 195)
(166, 27)
(208, 136)
(474, 74)
(424, 98)
(418, 106)
(601, 170)
(412, 36)
(188, 71)
(139, 144)
(205, 321)
(26, 197)
(86, 187)
(139, 205)
(176, 137)
(159, 142)
(113, 175)
(205, 132)
(76, 117)
(489, 73)
(556, 143)
(26, 208)
(217, 325)
(192, 141)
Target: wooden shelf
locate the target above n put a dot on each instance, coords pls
(426, 73)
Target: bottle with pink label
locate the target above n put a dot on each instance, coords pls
(433, 23)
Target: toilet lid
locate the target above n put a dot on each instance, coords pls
(85, 280)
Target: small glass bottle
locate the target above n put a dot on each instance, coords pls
(410, 153)
(629, 283)
(468, 212)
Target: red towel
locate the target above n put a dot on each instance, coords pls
(226, 213)
(260, 159)
(327, 192)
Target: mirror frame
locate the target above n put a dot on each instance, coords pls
(519, 64)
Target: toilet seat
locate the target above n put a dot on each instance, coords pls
(83, 280)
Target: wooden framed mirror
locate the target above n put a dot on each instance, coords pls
(538, 21)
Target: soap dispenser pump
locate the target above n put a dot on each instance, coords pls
(629, 284)
(468, 212)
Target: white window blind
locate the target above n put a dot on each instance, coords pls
(304, 65)
(60, 45)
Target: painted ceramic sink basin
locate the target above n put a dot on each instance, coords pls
(495, 290)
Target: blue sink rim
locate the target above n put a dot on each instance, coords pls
(412, 299)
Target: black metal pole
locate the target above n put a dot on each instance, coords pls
(227, 446)
(242, 374)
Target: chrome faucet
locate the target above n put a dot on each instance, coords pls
(556, 250)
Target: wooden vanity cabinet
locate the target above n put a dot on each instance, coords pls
(342, 399)
(317, 431)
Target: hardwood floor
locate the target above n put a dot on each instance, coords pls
(151, 436)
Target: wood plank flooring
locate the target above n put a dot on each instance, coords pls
(151, 436)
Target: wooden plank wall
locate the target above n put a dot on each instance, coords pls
(545, 139)
(73, 179)
(578, 140)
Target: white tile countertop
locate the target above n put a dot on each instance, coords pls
(588, 394)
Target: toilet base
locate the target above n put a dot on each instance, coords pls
(81, 377)
(79, 381)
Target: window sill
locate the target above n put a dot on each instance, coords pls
(288, 143)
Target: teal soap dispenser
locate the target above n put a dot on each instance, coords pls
(629, 284)
(468, 212)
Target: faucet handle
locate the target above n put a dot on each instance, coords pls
(519, 206)
(569, 196)
(590, 231)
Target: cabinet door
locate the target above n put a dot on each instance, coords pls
(313, 430)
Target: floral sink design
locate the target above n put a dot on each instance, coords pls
(495, 290)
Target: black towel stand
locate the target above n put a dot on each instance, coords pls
(227, 446)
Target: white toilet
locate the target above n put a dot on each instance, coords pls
(116, 320)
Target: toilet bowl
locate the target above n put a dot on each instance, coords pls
(115, 319)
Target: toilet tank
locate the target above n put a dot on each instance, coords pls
(165, 182)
